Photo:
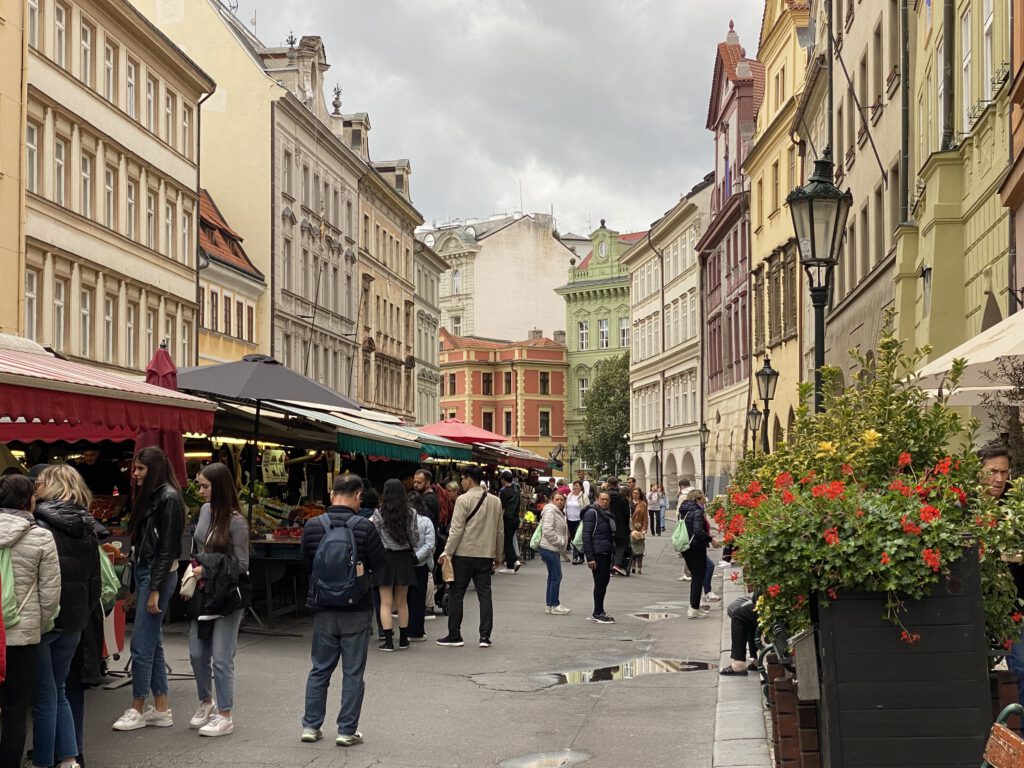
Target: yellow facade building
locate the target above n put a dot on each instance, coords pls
(953, 256)
(13, 57)
(773, 167)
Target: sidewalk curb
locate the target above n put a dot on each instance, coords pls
(741, 739)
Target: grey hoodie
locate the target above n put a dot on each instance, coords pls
(36, 575)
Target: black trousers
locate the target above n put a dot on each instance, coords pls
(510, 547)
(742, 640)
(623, 554)
(654, 513)
(478, 570)
(602, 575)
(15, 699)
(696, 560)
(416, 597)
(573, 525)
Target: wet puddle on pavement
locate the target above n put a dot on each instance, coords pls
(628, 670)
(546, 760)
(654, 616)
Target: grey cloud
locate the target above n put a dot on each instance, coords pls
(596, 106)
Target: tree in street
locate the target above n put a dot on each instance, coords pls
(606, 418)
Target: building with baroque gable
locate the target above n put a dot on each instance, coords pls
(514, 388)
(111, 149)
(597, 316)
(429, 268)
(500, 273)
(737, 89)
(664, 376)
(773, 166)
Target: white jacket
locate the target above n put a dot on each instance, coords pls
(554, 531)
(36, 575)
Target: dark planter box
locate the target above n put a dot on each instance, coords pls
(887, 703)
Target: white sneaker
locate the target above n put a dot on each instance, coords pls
(505, 570)
(219, 725)
(130, 721)
(560, 610)
(547, 609)
(712, 597)
(684, 577)
(159, 719)
(695, 613)
(309, 735)
(203, 715)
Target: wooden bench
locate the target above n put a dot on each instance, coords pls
(1005, 748)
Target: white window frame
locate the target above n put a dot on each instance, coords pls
(33, 23)
(150, 330)
(31, 304)
(987, 47)
(150, 219)
(151, 88)
(132, 195)
(85, 206)
(456, 282)
(31, 157)
(603, 335)
(60, 308)
(85, 322)
(456, 325)
(60, 183)
(965, 69)
(109, 72)
(186, 131)
(186, 236)
(85, 48)
(60, 36)
(131, 90)
(109, 197)
(109, 316)
(170, 118)
(131, 313)
(584, 386)
(169, 220)
(583, 335)
(624, 332)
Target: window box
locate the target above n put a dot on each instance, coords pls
(893, 80)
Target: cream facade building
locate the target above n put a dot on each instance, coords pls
(112, 175)
(299, 182)
(664, 378)
(429, 268)
(773, 167)
(13, 54)
(499, 274)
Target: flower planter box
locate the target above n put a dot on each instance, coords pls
(887, 703)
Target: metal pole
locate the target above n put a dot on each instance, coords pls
(829, 63)
(703, 470)
(252, 462)
(753, 441)
(819, 297)
(764, 430)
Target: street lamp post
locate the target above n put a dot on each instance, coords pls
(767, 379)
(705, 435)
(819, 212)
(574, 453)
(753, 424)
(656, 442)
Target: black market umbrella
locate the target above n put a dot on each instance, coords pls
(255, 379)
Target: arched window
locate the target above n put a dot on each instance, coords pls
(456, 281)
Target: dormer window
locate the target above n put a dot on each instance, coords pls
(400, 183)
(357, 138)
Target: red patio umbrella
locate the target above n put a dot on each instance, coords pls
(161, 372)
(460, 432)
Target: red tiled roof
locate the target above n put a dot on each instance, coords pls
(219, 241)
(632, 237)
(450, 341)
(585, 261)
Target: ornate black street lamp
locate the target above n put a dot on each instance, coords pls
(767, 379)
(753, 424)
(819, 212)
(574, 454)
(656, 442)
(705, 435)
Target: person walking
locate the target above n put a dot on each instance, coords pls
(37, 580)
(575, 503)
(653, 507)
(510, 497)
(155, 529)
(599, 549)
(696, 555)
(662, 506)
(474, 546)
(221, 530)
(424, 555)
(638, 531)
(554, 535)
(340, 631)
(63, 510)
(398, 529)
(621, 512)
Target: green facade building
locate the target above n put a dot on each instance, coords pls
(597, 319)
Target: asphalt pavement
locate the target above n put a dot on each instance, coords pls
(553, 690)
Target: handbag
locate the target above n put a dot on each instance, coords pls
(680, 537)
(577, 540)
(189, 582)
(110, 585)
(538, 534)
(447, 571)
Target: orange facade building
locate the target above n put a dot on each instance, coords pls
(514, 388)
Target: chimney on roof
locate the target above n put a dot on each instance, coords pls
(743, 69)
(732, 38)
(559, 337)
(536, 333)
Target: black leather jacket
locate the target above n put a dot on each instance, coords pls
(158, 534)
(72, 529)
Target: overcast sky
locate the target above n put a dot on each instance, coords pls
(596, 107)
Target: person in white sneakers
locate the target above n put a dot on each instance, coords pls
(554, 536)
(221, 530)
(157, 522)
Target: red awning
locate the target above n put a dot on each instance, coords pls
(37, 386)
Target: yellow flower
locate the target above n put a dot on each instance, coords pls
(826, 448)
(871, 437)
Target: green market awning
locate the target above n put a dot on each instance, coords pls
(453, 452)
(358, 437)
(377, 449)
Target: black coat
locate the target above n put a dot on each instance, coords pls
(696, 524)
(598, 537)
(369, 548)
(158, 534)
(622, 514)
(223, 590)
(78, 551)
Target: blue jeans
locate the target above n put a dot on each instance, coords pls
(553, 560)
(343, 635)
(149, 667)
(709, 571)
(661, 514)
(53, 729)
(1015, 663)
(213, 660)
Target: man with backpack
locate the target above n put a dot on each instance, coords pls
(340, 550)
(510, 501)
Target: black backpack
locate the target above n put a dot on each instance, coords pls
(334, 582)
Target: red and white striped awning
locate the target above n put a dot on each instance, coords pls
(43, 394)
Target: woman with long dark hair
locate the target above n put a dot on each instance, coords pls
(396, 523)
(157, 521)
(221, 529)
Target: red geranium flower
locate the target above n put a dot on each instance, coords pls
(846, 469)
(784, 480)
(943, 467)
(909, 637)
(773, 590)
(904, 459)
(1017, 617)
(788, 497)
(929, 513)
(931, 558)
(734, 576)
(831, 536)
(831, 594)
(754, 488)
(960, 495)
(909, 527)
(885, 558)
